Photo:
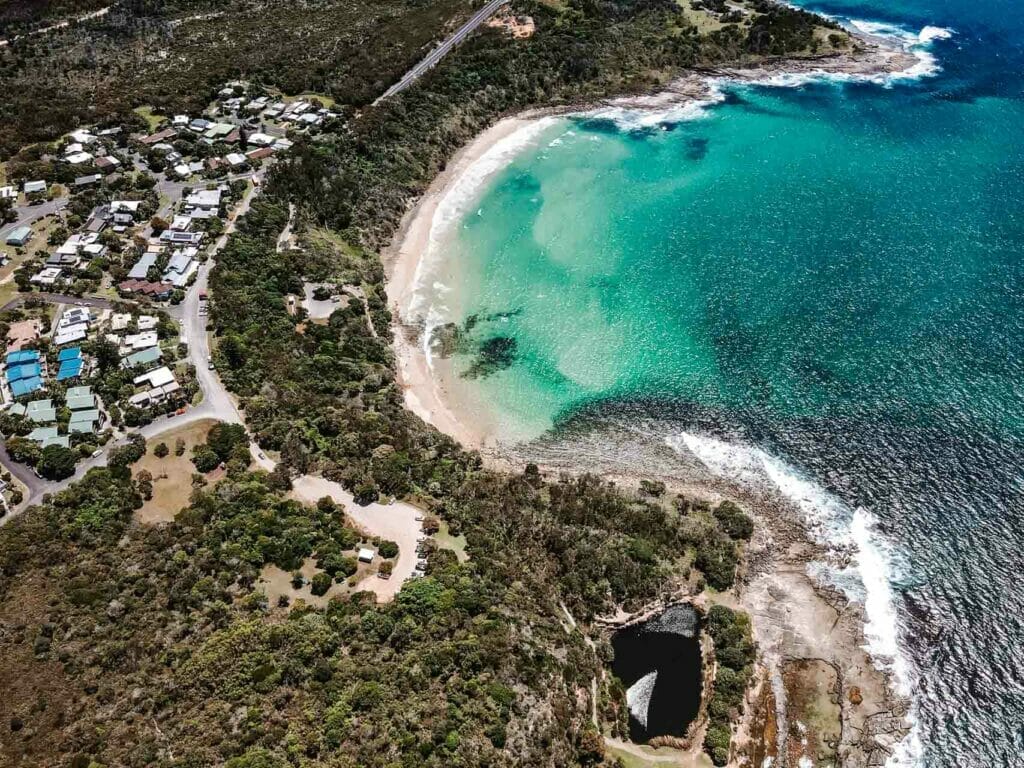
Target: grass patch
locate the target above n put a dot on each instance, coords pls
(456, 544)
(172, 475)
(152, 120)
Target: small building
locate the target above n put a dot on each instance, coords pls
(107, 164)
(84, 421)
(70, 369)
(82, 136)
(8, 193)
(88, 181)
(47, 276)
(19, 237)
(80, 399)
(142, 358)
(71, 365)
(124, 211)
(41, 411)
(141, 268)
(142, 340)
(22, 356)
(47, 436)
(71, 334)
(260, 154)
(236, 160)
(159, 136)
(366, 555)
(159, 291)
(259, 140)
(147, 322)
(26, 386)
(192, 239)
(35, 188)
(78, 158)
(179, 269)
(155, 378)
(24, 370)
(75, 316)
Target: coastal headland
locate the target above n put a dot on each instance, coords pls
(818, 693)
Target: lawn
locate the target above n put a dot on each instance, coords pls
(146, 113)
(456, 544)
(172, 475)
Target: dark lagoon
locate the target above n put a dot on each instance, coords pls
(659, 664)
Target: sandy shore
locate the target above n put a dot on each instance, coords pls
(425, 392)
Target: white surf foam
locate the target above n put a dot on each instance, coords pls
(645, 113)
(459, 198)
(638, 697)
(831, 523)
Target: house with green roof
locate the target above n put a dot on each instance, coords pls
(80, 398)
(41, 411)
(84, 421)
(47, 436)
(142, 358)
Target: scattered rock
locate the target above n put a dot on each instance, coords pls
(115, 609)
(855, 696)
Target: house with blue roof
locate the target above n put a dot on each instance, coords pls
(26, 386)
(69, 369)
(22, 356)
(71, 353)
(25, 371)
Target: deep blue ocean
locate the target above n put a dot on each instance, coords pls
(819, 287)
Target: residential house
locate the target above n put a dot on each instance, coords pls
(41, 411)
(71, 363)
(160, 291)
(143, 358)
(120, 321)
(107, 164)
(179, 269)
(125, 211)
(142, 266)
(47, 436)
(159, 136)
(47, 276)
(19, 237)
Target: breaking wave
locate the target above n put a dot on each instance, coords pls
(847, 532)
(457, 199)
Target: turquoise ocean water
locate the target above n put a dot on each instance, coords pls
(820, 287)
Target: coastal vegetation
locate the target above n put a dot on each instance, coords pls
(127, 644)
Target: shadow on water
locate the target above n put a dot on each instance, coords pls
(659, 664)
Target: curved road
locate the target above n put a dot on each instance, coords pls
(399, 522)
(440, 51)
(217, 403)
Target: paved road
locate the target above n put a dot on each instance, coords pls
(29, 214)
(440, 51)
(59, 298)
(217, 403)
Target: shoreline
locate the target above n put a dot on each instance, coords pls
(794, 617)
(424, 385)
